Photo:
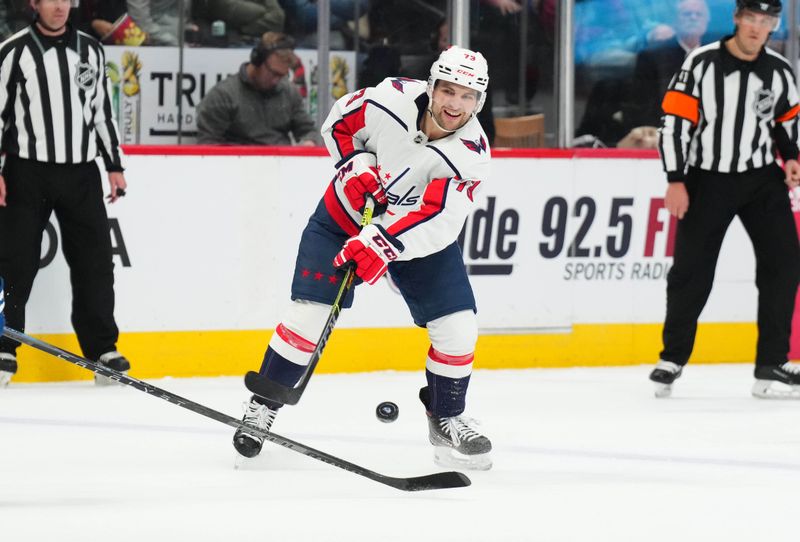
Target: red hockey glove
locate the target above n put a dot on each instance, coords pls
(360, 177)
(371, 250)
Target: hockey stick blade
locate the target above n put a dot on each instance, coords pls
(440, 480)
(269, 389)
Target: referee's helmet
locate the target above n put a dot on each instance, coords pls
(768, 7)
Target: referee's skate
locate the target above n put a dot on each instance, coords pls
(664, 374)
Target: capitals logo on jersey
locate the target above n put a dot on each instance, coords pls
(399, 82)
(355, 96)
(478, 145)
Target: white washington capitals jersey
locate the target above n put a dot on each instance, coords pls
(431, 185)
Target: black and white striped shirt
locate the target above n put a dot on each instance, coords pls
(54, 99)
(727, 115)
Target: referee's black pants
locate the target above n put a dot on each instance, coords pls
(760, 199)
(74, 192)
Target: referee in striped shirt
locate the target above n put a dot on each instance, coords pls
(728, 113)
(55, 118)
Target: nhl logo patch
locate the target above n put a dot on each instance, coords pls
(764, 103)
(85, 75)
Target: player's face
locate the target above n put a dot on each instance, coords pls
(53, 13)
(453, 104)
(753, 30)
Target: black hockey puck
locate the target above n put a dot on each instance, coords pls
(387, 412)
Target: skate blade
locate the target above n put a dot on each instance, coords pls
(5, 378)
(451, 459)
(663, 390)
(102, 381)
(770, 389)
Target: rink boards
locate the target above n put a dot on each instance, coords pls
(567, 251)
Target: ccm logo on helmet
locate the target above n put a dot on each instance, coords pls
(464, 72)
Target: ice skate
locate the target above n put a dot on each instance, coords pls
(113, 360)
(457, 444)
(8, 367)
(256, 415)
(664, 374)
(777, 381)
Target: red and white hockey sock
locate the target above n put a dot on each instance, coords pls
(448, 380)
(291, 345)
(286, 357)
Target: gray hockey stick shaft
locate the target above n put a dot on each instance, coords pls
(439, 480)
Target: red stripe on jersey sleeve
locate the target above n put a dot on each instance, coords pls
(338, 213)
(432, 204)
(344, 130)
(789, 115)
(438, 357)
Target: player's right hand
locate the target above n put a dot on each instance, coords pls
(359, 178)
(371, 250)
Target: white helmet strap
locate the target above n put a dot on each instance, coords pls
(439, 126)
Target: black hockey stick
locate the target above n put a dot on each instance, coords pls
(263, 386)
(439, 480)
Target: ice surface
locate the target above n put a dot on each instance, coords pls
(579, 455)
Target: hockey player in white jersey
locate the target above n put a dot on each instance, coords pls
(419, 151)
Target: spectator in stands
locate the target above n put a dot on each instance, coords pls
(14, 16)
(602, 122)
(618, 108)
(495, 30)
(109, 22)
(301, 18)
(160, 19)
(157, 18)
(260, 105)
(382, 61)
(655, 67)
(99, 17)
(506, 7)
(5, 27)
(245, 20)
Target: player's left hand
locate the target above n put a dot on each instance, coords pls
(117, 184)
(360, 178)
(792, 170)
(371, 250)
